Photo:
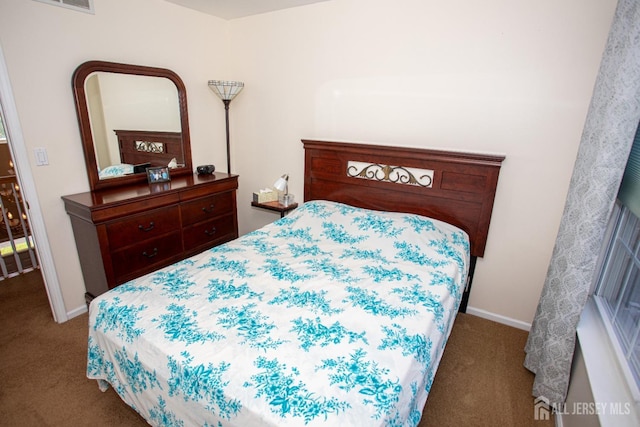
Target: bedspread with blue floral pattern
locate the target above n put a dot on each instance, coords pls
(333, 315)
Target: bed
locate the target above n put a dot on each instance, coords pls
(337, 314)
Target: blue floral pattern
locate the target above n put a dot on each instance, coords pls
(180, 324)
(312, 332)
(288, 396)
(253, 327)
(175, 283)
(226, 289)
(330, 314)
(314, 301)
(119, 318)
(202, 382)
(372, 383)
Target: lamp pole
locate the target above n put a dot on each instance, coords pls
(226, 115)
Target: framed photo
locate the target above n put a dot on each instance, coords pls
(158, 174)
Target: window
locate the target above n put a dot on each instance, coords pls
(81, 5)
(618, 290)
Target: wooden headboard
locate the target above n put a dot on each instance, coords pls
(455, 187)
(157, 148)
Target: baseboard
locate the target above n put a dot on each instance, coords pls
(77, 312)
(499, 318)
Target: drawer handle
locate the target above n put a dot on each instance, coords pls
(210, 232)
(149, 228)
(152, 254)
(210, 209)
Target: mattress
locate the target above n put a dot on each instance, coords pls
(332, 315)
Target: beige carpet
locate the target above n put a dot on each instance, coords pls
(480, 382)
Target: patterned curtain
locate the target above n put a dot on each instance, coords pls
(611, 123)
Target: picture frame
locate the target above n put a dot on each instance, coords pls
(158, 174)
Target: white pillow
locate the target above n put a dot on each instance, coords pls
(116, 170)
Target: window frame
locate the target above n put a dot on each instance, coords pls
(604, 262)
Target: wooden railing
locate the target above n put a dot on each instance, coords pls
(16, 245)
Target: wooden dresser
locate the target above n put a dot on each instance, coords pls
(125, 232)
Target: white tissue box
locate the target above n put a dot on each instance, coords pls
(266, 195)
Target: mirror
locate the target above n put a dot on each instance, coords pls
(131, 117)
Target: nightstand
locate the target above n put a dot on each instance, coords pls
(276, 207)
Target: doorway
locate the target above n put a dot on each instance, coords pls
(17, 250)
(20, 159)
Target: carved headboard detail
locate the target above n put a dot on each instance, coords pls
(157, 148)
(455, 187)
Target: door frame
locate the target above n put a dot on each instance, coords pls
(15, 139)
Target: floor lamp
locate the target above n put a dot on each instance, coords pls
(226, 90)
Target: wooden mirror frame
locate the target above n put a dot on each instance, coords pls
(79, 77)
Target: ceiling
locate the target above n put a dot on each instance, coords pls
(230, 9)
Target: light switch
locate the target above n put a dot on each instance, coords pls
(41, 156)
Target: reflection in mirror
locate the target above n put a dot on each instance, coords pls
(131, 117)
(121, 101)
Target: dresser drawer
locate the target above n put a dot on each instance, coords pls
(144, 256)
(138, 228)
(127, 231)
(206, 208)
(219, 229)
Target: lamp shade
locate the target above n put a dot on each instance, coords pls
(226, 90)
(281, 183)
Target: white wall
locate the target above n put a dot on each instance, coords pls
(493, 76)
(43, 45)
